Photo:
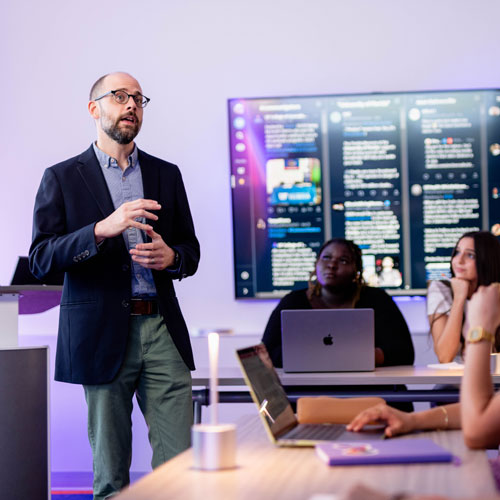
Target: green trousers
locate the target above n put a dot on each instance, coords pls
(153, 370)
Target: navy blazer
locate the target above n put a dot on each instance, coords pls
(95, 304)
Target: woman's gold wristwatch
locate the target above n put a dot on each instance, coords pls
(478, 333)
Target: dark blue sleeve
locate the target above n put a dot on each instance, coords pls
(53, 248)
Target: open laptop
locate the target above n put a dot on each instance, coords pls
(328, 340)
(22, 275)
(276, 412)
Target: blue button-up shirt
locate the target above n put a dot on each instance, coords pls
(126, 186)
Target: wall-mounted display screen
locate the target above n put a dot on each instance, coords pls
(401, 174)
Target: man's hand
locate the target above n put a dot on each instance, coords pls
(124, 217)
(155, 255)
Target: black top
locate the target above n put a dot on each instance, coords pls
(391, 331)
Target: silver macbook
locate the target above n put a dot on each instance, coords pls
(276, 412)
(328, 340)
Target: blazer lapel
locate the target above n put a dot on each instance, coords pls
(150, 181)
(150, 177)
(93, 178)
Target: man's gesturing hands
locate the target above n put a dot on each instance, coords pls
(154, 255)
(124, 217)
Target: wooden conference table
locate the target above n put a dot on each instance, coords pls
(314, 384)
(266, 472)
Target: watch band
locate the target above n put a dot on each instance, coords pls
(478, 333)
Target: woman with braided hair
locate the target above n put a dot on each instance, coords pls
(337, 283)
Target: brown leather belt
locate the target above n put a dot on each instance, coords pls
(142, 307)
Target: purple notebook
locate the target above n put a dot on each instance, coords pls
(389, 451)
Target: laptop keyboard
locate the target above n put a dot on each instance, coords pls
(316, 432)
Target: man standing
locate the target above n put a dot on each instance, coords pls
(117, 222)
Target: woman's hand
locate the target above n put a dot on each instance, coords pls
(461, 289)
(398, 422)
(484, 308)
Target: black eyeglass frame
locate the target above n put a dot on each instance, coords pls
(142, 104)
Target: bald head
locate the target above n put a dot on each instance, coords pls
(100, 84)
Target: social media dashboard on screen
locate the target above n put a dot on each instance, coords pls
(403, 175)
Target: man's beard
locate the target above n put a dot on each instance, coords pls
(123, 135)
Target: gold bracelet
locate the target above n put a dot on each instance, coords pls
(446, 421)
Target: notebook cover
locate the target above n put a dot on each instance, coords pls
(389, 451)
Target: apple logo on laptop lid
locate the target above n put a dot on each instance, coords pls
(328, 340)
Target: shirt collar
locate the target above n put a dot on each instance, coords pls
(107, 161)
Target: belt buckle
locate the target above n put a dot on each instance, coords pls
(144, 307)
(135, 304)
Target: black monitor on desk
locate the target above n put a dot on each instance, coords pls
(23, 276)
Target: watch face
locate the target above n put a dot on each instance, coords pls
(475, 334)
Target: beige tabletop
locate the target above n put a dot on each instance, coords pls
(267, 472)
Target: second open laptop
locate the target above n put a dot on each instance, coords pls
(276, 412)
(22, 275)
(328, 340)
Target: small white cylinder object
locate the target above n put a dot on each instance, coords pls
(214, 446)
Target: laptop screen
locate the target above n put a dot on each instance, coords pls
(266, 389)
(22, 275)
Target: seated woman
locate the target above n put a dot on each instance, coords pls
(338, 284)
(478, 409)
(475, 262)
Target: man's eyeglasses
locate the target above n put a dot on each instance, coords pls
(122, 97)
